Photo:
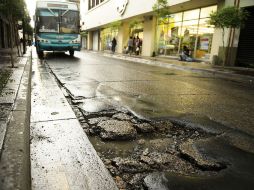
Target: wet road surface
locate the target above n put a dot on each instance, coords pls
(154, 92)
(221, 108)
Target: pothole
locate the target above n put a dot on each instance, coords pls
(132, 148)
(151, 146)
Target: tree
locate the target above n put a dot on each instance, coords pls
(133, 25)
(228, 17)
(27, 29)
(14, 10)
(114, 26)
(162, 11)
(161, 8)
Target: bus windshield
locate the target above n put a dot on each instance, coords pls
(69, 22)
(48, 21)
(55, 21)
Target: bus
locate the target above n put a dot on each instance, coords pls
(57, 27)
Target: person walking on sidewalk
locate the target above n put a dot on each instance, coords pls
(130, 45)
(137, 45)
(114, 43)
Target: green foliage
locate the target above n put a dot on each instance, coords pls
(134, 23)
(161, 8)
(228, 17)
(27, 27)
(115, 24)
(83, 33)
(14, 8)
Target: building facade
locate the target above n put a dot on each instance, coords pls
(4, 32)
(186, 26)
(75, 1)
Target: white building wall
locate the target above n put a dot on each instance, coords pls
(149, 37)
(95, 41)
(123, 37)
(107, 12)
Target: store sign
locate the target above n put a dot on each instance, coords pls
(121, 6)
(204, 43)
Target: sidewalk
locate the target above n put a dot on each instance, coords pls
(5, 55)
(57, 154)
(62, 156)
(239, 74)
(14, 126)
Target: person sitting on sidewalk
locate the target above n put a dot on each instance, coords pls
(185, 56)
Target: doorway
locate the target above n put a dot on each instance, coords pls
(245, 56)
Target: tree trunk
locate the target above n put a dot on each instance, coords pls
(17, 41)
(11, 38)
(224, 49)
(155, 39)
(24, 37)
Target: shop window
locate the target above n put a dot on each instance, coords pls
(107, 36)
(187, 28)
(169, 38)
(188, 34)
(204, 41)
(191, 15)
(205, 12)
(135, 28)
(176, 17)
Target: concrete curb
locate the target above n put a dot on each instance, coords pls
(62, 157)
(15, 155)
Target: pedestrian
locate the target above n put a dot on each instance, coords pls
(130, 45)
(114, 43)
(185, 56)
(137, 45)
(134, 44)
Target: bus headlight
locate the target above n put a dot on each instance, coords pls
(75, 41)
(42, 40)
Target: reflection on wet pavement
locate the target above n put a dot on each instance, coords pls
(175, 107)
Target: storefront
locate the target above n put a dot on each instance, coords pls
(136, 29)
(245, 56)
(188, 28)
(95, 41)
(4, 33)
(107, 35)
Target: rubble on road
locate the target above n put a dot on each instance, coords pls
(116, 130)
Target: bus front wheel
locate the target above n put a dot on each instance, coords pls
(71, 53)
(40, 54)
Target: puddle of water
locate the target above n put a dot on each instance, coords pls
(238, 175)
(111, 149)
(96, 105)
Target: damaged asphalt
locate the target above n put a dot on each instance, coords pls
(103, 123)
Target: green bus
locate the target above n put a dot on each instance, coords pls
(57, 25)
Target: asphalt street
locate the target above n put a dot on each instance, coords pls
(211, 126)
(199, 99)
